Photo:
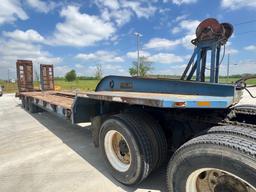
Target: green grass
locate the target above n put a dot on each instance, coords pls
(8, 87)
(82, 85)
(233, 80)
(89, 85)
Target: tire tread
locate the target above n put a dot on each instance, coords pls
(234, 142)
(144, 141)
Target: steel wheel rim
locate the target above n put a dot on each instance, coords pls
(119, 159)
(195, 181)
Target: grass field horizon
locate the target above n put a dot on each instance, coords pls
(90, 85)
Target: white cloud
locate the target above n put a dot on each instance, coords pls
(24, 50)
(10, 11)
(111, 4)
(164, 10)
(166, 58)
(140, 10)
(163, 58)
(14, 49)
(180, 2)
(186, 41)
(244, 66)
(107, 69)
(238, 4)
(61, 70)
(250, 48)
(180, 17)
(159, 43)
(120, 17)
(133, 54)
(41, 6)
(28, 36)
(100, 56)
(229, 49)
(80, 29)
(232, 51)
(189, 25)
(175, 30)
(112, 69)
(122, 11)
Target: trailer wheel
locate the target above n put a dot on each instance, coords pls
(214, 163)
(156, 136)
(26, 101)
(23, 103)
(32, 107)
(126, 149)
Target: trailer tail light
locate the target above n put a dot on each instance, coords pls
(203, 103)
(180, 104)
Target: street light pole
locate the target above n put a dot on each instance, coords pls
(228, 68)
(138, 35)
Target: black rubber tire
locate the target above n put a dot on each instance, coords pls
(139, 144)
(230, 153)
(156, 136)
(23, 103)
(26, 104)
(246, 132)
(32, 107)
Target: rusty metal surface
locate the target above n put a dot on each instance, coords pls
(46, 77)
(52, 97)
(24, 75)
(149, 99)
(161, 99)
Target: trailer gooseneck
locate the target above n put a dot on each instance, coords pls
(138, 123)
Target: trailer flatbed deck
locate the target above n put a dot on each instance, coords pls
(62, 99)
(163, 100)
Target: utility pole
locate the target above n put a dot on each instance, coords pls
(138, 35)
(228, 67)
(8, 76)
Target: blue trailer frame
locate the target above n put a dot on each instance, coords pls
(158, 93)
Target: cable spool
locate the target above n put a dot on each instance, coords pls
(211, 29)
(228, 30)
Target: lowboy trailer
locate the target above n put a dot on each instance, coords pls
(138, 123)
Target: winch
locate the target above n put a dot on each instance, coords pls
(210, 37)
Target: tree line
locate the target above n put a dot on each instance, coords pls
(143, 69)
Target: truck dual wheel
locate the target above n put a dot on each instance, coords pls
(128, 148)
(214, 162)
(155, 134)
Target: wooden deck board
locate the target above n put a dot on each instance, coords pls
(52, 98)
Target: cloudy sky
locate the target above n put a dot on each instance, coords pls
(80, 34)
